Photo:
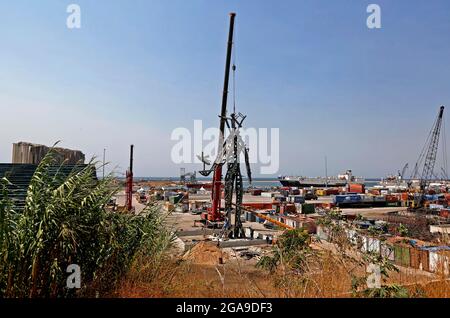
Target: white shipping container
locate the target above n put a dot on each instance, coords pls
(322, 233)
(291, 223)
(379, 198)
(352, 236)
(387, 251)
(364, 243)
(366, 198)
(373, 245)
(438, 262)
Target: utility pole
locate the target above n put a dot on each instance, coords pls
(326, 172)
(104, 156)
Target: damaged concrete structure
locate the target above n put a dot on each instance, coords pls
(29, 153)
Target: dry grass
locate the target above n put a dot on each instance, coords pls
(237, 278)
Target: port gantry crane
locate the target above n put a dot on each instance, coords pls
(428, 157)
(401, 175)
(229, 152)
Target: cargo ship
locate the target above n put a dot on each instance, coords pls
(393, 182)
(320, 182)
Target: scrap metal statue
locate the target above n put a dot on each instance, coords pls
(233, 147)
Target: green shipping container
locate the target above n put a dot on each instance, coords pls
(308, 208)
(402, 255)
(393, 204)
(175, 199)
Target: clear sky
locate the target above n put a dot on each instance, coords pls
(138, 69)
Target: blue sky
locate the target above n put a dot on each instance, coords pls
(138, 69)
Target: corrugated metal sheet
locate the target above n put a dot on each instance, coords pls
(439, 261)
(402, 255)
(419, 259)
(19, 175)
(387, 251)
(373, 245)
(322, 233)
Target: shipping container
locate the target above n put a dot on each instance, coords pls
(350, 198)
(270, 194)
(444, 213)
(431, 197)
(439, 262)
(331, 191)
(379, 198)
(402, 255)
(322, 233)
(256, 192)
(280, 198)
(308, 208)
(352, 236)
(387, 251)
(356, 188)
(288, 209)
(176, 198)
(366, 198)
(373, 245)
(419, 259)
(362, 243)
(284, 193)
(296, 199)
(321, 192)
(390, 198)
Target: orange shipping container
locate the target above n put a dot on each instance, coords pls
(356, 188)
(391, 198)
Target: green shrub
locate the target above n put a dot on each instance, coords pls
(64, 222)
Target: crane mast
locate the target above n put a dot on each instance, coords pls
(430, 157)
(214, 214)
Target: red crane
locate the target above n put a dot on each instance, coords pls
(214, 214)
(129, 183)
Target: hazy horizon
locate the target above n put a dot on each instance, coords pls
(136, 70)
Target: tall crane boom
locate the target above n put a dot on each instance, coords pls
(430, 158)
(214, 213)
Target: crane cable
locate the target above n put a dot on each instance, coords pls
(444, 150)
(416, 173)
(234, 70)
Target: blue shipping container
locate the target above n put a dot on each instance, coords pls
(346, 198)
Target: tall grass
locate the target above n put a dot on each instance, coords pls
(64, 222)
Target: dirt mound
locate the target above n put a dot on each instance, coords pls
(206, 253)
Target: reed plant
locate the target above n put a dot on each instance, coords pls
(63, 222)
